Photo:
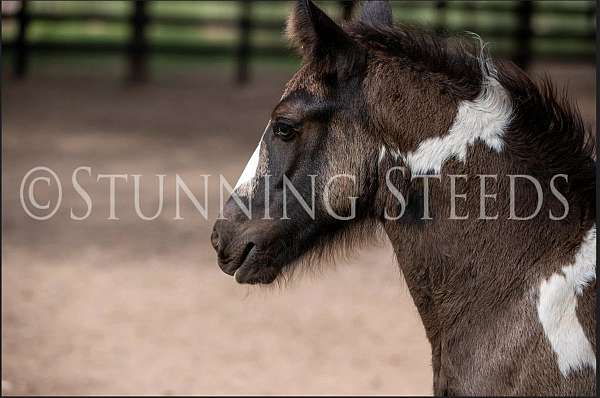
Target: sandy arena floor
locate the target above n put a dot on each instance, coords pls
(140, 307)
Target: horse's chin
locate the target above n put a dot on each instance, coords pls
(254, 273)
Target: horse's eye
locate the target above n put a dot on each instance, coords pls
(284, 131)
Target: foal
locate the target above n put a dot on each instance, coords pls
(482, 181)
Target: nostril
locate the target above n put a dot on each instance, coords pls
(214, 239)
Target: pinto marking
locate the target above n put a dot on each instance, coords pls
(382, 152)
(255, 167)
(558, 302)
(385, 150)
(484, 118)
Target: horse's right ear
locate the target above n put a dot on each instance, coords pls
(313, 33)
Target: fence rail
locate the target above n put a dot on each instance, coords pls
(138, 48)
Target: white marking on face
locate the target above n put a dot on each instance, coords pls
(557, 305)
(484, 118)
(253, 169)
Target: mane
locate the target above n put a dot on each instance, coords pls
(546, 133)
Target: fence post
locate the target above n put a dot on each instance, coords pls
(243, 51)
(592, 15)
(21, 46)
(138, 47)
(347, 7)
(524, 33)
(440, 22)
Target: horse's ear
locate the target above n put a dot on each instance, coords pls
(377, 13)
(313, 33)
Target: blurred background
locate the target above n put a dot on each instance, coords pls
(185, 88)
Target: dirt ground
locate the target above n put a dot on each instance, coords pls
(140, 307)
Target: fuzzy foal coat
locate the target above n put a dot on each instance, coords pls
(476, 283)
(508, 305)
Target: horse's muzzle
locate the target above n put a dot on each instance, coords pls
(238, 256)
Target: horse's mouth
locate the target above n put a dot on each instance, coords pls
(255, 273)
(249, 269)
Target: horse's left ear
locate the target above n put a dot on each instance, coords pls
(377, 13)
(314, 34)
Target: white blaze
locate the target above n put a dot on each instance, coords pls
(251, 167)
(557, 308)
(246, 181)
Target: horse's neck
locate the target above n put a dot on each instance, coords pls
(463, 268)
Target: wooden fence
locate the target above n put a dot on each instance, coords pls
(138, 48)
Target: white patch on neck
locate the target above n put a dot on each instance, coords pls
(558, 302)
(484, 118)
(246, 182)
(384, 150)
(381, 154)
